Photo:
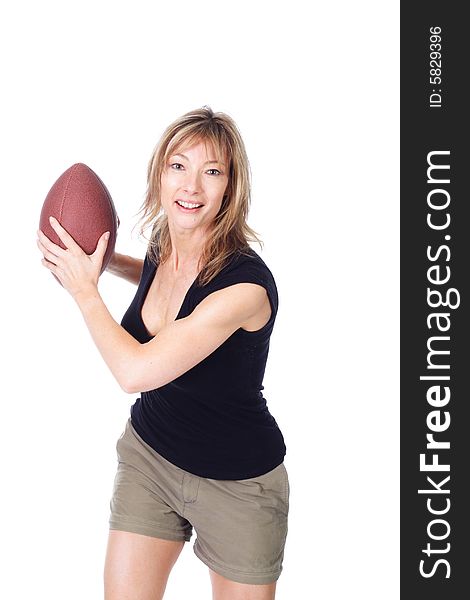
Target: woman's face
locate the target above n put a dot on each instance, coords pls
(195, 178)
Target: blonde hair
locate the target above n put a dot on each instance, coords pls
(230, 232)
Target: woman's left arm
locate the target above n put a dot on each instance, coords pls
(176, 348)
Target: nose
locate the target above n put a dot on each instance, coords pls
(192, 182)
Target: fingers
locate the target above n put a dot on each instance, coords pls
(51, 251)
(102, 244)
(51, 266)
(72, 266)
(98, 255)
(65, 237)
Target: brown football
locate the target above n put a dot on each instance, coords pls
(82, 204)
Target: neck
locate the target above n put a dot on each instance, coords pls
(187, 246)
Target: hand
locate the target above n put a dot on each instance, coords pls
(77, 272)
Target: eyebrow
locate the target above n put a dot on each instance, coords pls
(206, 163)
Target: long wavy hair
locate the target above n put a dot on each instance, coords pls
(230, 232)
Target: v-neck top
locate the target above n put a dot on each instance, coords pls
(213, 421)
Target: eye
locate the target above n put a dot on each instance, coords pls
(212, 172)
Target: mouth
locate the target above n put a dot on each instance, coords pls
(188, 206)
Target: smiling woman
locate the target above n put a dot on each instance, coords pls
(193, 186)
(200, 448)
(222, 147)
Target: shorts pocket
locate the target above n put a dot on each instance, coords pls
(270, 489)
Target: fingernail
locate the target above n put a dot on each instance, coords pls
(51, 219)
(106, 235)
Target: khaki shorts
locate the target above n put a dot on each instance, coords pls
(241, 525)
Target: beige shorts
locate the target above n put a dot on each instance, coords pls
(241, 525)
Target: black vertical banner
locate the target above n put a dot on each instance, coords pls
(435, 302)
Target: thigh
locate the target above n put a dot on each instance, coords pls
(137, 567)
(241, 526)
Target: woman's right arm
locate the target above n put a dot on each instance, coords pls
(126, 267)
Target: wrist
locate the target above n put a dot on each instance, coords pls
(86, 296)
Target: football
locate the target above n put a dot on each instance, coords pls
(82, 204)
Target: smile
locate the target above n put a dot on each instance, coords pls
(188, 205)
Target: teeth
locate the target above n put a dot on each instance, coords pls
(188, 204)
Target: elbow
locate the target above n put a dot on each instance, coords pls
(129, 386)
(132, 386)
(127, 373)
(136, 376)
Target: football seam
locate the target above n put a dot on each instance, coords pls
(72, 171)
(111, 211)
(111, 207)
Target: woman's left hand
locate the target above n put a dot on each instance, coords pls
(77, 271)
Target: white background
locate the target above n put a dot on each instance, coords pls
(313, 87)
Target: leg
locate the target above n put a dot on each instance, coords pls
(241, 530)
(224, 589)
(137, 566)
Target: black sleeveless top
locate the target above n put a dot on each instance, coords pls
(213, 421)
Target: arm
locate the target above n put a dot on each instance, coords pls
(177, 348)
(126, 267)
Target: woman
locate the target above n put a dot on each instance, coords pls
(200, 448)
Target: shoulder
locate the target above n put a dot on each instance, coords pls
(232, 305)
(241, 288)
(245, 266)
